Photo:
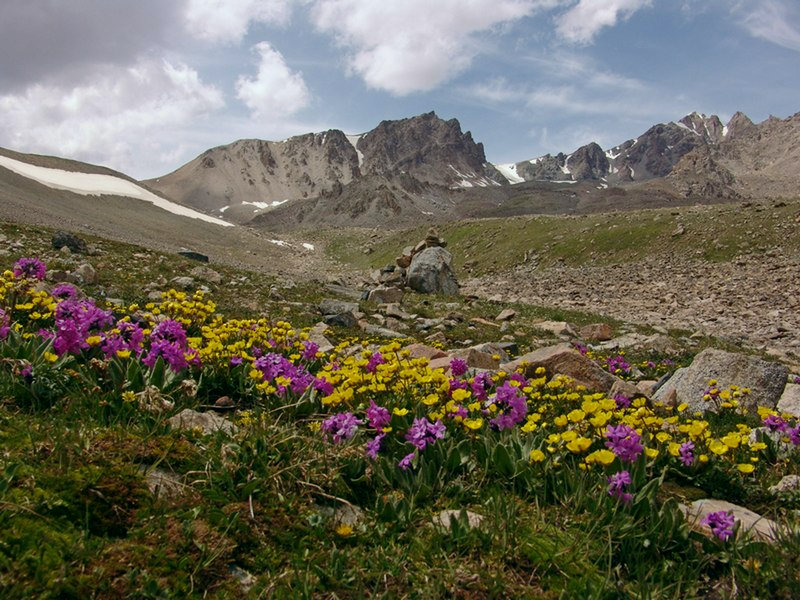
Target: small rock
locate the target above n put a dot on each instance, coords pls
(445, 519)
(788, 483)
(386, 295)
(506, 315)
(206, 273)
(224, 402)
(208, 422)
(183, 282)
(86, 273)
(162, 485)
(556, 327)
(423, 351)
(64, 239)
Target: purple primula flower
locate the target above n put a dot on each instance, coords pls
(310, 350)
(405, 462)
(274, 365)
(775, 423)
(377, 416)
(130, 337)
(5, 324)
(323, 385)
(423, 433)
(458, 367)
(341, 426)
(236, 361)
(794, 435)
(168, 341)
(374, 446)
(513, 407)
(616, 486)
(687, 453)
(64, 291)
(624, 442)
(481, 384)
(618, 365)
(30, 268)
(721, 524)
(27, 373)
(622, 401)
(375, 360)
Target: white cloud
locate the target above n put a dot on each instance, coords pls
(129, 118)
(582, 22)
(227, 21)
(275, 91)
(773, 20)
(414, 45)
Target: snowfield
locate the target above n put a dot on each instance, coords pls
(96, 184)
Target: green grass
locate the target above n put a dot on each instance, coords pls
(715, 233)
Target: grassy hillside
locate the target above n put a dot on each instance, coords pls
(714, 233)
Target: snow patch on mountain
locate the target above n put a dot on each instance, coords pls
(97, 184)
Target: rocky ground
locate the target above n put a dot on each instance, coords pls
(753, 299)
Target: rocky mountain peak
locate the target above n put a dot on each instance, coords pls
(740, 124)
(432, 150)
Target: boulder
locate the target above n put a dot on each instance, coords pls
(317, 335)
(207, 274)
(431, 272)
(208, 422)
(476, 359)
(506, 315)
(563, 359)
(190, 254)
(750, 523)
(766, 380)
(386, 295)
(790, 400)
(86, 273)
(64, 239)
(596, 332)
(788, 483)
(381, 331)
(423, 351)
(557, 328)
(184, 282)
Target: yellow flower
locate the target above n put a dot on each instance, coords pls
(400, 412)
(746, 468)
(50, 357)
(651, 452)
(537, 456)
(576, 416)
(430, 399)
(560, 420)
(604, 457)
(732, 440)
(682, 407)
(578, 445)
(663, 436)
(93, 340)
(344, 530)
(461, 395)
(474, 423)
(128, 397)
(718, 447)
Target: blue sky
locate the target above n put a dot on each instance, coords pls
(145, 86)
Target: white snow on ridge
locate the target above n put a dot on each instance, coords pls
(353, 139)
(509, 171)
(96, 184)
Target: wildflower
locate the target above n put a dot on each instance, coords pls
(377, 416)
(64, 291)
(624, 441)
(422, 433)
(405, 462)
(622, 401)
(341, 426)
(374, 446)
(5, 324)
(721, 524)
(344, 530)
(375, 360)
(687, 453)
(616, 486)
(458, 367)
(604, 457)
(537, 456)
(579, 444)
(30, 268)
(775, 423)
(745, 468)
(514, 407)
(310, 350)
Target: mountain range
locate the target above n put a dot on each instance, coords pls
(425, 168)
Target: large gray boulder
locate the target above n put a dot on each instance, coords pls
(431, 272)
(766, 380)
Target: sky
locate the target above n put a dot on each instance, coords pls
(143, 87)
